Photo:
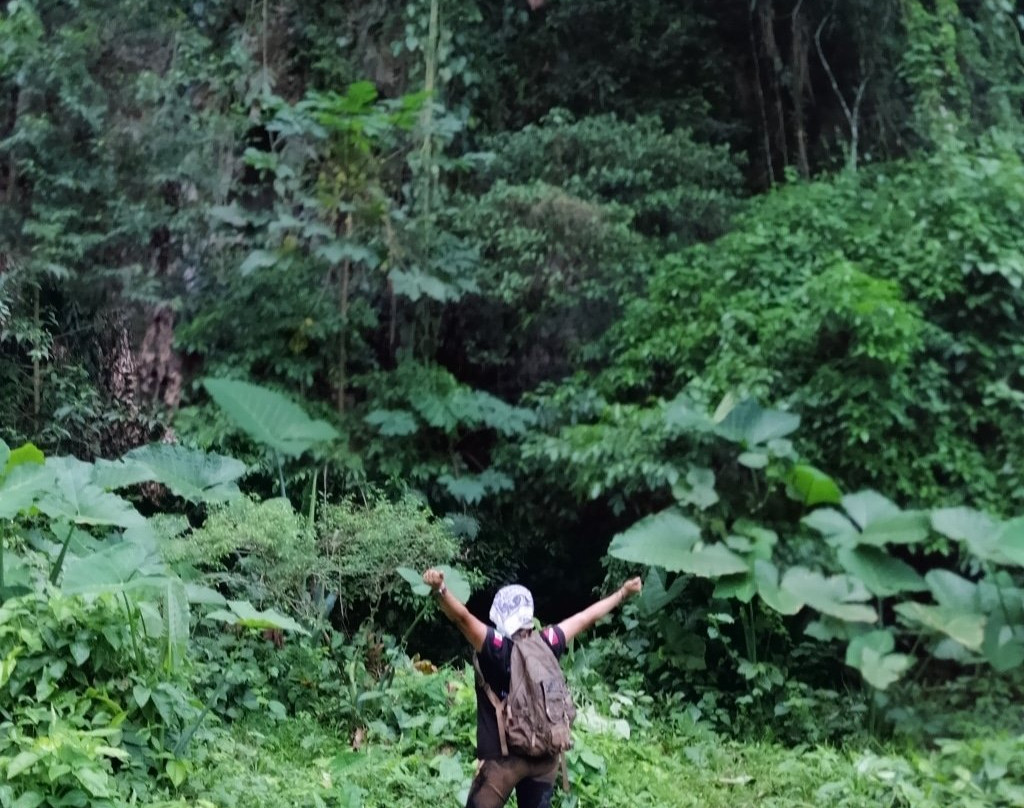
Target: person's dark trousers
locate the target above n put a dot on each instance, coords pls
(532, 778)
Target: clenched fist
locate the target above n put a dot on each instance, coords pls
(434, 579)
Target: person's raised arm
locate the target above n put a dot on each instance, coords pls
(472, 629)
(581, 621)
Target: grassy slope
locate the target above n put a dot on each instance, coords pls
(298, 762)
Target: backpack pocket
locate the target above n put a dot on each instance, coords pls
(556, 699)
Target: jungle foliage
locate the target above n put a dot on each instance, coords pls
(297, 299)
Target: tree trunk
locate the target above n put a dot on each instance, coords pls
(343, 301)
(799, 71)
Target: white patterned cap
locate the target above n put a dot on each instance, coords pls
(512, 609)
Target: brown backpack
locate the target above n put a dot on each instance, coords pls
(535, 720)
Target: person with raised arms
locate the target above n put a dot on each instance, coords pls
(524, 710)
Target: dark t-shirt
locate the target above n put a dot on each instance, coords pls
(496, 665)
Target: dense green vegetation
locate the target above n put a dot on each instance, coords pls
(298, 299)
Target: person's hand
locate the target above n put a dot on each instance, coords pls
(434, 579)
(634, 586)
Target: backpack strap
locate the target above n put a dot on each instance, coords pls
(498, 704)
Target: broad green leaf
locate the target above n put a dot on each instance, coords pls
(268, 417)
(191, 474)
(654, 596)
(76, 499)
(27, 799)
(698, 488)
(176, 771)
(454, 580)
(8, 664)
(882, 522)
(682, 415)
(872, 654)
(145, 593)
(966, 629)
(868, 506)
(471, 488)
(21, 762)
(257, 259)
(767, 577)
(1009, 541)
(5, 455)
(392, 423)
(753, 460)
(94, 780)
(415, 284)
(978, 530)
(204, 595)
(467, 489)
(109, 569)
(880, 572)
(709, 561)
(415, 580)
(659, 540)
(999, 592)
(949, 649)
(753, 540)
(1003, 645)
(872, 520)
(908, 527)
(17, 576)
(243, 613)
(740, 586)
(812, 486)
(953, 592)
(826, 629)
(829, 522)
(749, 424)
(26, 453)
(838, 596)
(335, 252)
(20, 488)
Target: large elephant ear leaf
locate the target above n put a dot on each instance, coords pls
(414, 580)
(1003, 645)
(112, 568)
(655, 596)
(243, 613)
(872, 654)
(953, 591)
(881, 522)
(454, 580)
(75, 498)
(977, 529)
(774, 597)
(882, 574)
(1009, 541)
(20, 488)
(967, 629)
(191, 474)
(268, 417)
(838, 596)
(749, 424)
(663, 539)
